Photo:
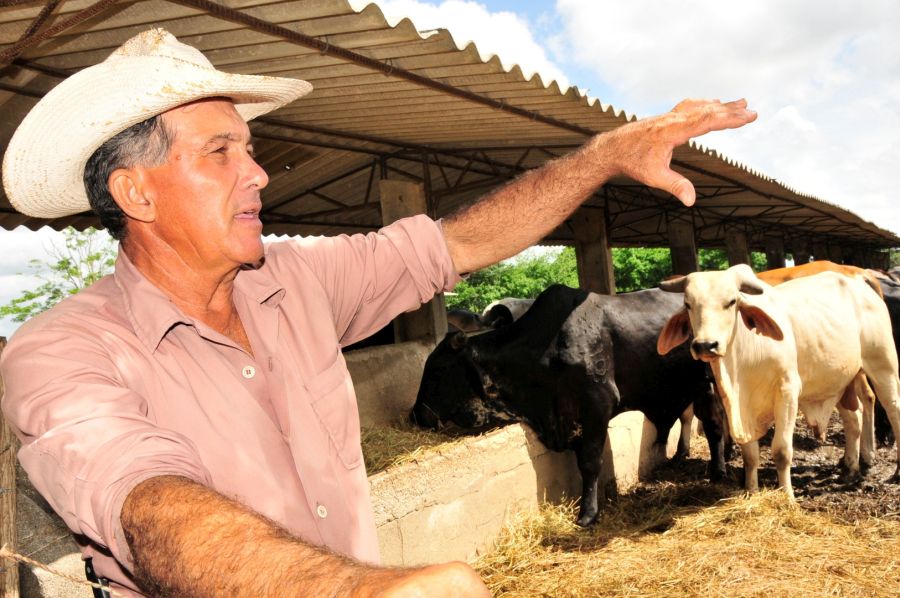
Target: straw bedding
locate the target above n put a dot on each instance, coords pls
(680, 536)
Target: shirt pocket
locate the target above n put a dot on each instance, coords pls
(334, 402)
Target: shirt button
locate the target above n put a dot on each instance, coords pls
(321, 511)
(248, 372)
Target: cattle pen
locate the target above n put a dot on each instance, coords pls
(503, 502)
(408, 122)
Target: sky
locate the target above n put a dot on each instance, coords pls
(823, 76)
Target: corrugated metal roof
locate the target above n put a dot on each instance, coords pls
(389, 102)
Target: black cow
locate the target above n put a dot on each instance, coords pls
(462, 320)
(891, 290)
(570, 364)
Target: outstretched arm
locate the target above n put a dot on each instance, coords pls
(526, 210)
(188, 540)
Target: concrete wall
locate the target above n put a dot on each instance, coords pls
(452, 504)
(386, 380)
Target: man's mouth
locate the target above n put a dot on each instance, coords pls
(249, 214)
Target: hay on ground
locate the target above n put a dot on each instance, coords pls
(687, 540)
(387, 446)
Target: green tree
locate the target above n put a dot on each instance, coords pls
(638, 268)
(635, 268)
(85, 257)
(523, 277)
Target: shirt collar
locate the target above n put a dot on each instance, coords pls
(152, 313)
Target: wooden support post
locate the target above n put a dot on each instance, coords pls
(836, 253)
(9, 446)
(774, 251)
(400, 199)
(683, 247)
(736, 247)
(800, 251)
(820, 251)
(593, 253)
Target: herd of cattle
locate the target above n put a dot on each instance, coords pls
(745, 350)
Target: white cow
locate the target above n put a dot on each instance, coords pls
(504, 312)
(773, 350)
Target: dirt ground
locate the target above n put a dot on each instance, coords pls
(815, 474)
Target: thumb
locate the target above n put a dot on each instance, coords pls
(678, 186)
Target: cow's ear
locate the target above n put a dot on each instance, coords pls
(458, 340)
(674, 284)
(757, 319)
(676, 331)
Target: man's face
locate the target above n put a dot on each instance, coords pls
(207, 192)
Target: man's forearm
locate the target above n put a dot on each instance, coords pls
(188, 540)
(527, 209)
(530, 207)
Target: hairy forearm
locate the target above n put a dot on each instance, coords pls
(527, 209)
(188, 540)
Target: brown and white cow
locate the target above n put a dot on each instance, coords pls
(774, 350)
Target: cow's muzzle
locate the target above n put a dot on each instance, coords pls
(424, 416)
(705, 350)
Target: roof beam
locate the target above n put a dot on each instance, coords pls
(9, 54)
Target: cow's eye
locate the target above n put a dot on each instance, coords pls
(687, 307)
(730, 303)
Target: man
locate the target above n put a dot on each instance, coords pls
(191, 417)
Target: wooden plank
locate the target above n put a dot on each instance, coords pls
(9, 571)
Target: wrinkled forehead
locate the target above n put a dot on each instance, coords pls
(702, 287)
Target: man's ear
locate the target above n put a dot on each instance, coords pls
(128, 187)
(755, 318)
(676, 331)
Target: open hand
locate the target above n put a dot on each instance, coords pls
(643, 149)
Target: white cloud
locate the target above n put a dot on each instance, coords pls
(823, 77)
(506, 34)
(17, 248)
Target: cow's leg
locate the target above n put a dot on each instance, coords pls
(750, 452)
(708, 409)
(595, 425)
(867, 439)
(886, 384)
(590, 463)
(782, 441)
(851, 419)
(684, 441)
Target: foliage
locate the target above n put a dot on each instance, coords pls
(524, 278)
(640, 267)
(634, 269)
(85, 257)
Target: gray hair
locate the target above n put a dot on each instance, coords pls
(144, 144)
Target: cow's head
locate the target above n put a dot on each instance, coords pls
(712, 303)
(455, 389)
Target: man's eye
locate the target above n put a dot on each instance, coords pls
(730, 303)
(687, 307)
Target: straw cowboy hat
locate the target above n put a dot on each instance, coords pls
(43, 168)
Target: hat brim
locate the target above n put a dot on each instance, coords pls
(43, 168)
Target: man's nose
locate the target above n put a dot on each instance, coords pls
(256, 175)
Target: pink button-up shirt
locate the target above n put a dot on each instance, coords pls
(116, 385)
